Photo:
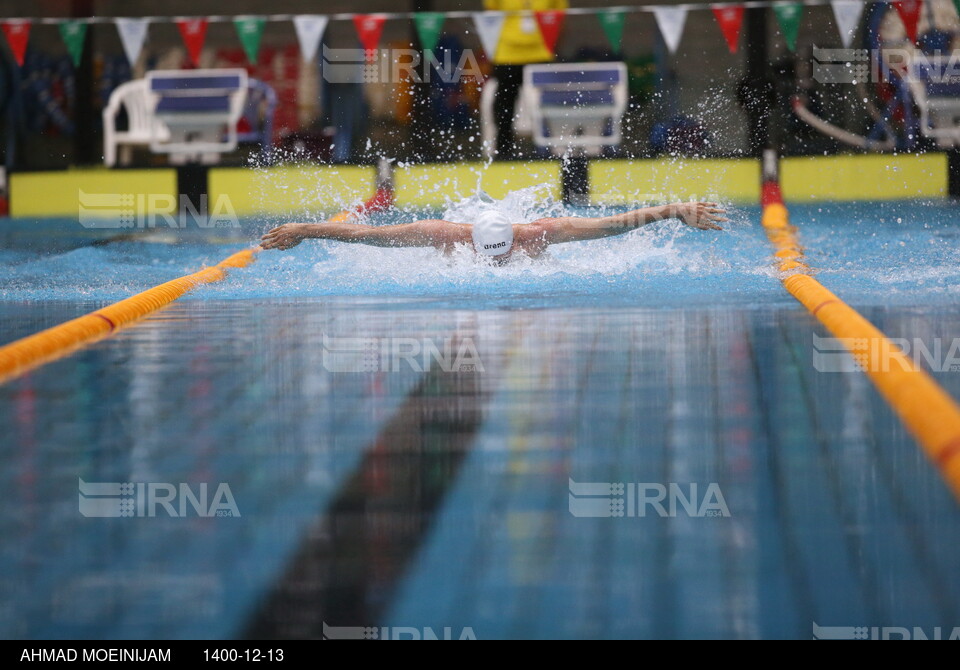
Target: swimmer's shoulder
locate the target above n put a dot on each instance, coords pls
(531, 237)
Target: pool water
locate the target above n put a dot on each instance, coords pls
(399, 432)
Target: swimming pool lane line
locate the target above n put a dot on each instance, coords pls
(930, 414)
(59, 341)
(29, 353)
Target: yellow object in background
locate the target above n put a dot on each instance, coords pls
(871, 177)
(520, 41)
(434, 186)
(663, 180)
(92, 191)
(291, 191)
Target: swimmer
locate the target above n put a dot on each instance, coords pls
(493, 234)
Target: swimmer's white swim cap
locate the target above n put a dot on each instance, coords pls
(492, 233)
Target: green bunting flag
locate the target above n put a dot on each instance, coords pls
(429, 25)
(250, 31)
(73, 34)
(613, 21)
(788, 16)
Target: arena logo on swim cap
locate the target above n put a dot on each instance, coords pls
(492, 233)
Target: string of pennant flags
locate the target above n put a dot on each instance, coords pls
(429, 25)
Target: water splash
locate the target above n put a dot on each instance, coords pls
(520, 206)
(649, 264)
(870, 253)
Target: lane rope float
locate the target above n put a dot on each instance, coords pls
(59, 341)
(930, 414)
(29, 353)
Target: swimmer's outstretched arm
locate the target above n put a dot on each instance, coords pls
(701, 215)
(430, 233)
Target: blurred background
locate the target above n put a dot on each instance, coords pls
(696, 95)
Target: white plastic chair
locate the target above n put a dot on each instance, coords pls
(143, 127)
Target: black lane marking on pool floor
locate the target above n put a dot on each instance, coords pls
(353, 556)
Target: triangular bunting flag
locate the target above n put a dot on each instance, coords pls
(194, 33)
(309, 29)
(788, 16)
(250, 31)
(73, 34)
(612, 22)
(671, 20)
(909, 11)
(133, 33)
(429, 25)
(551, 23)
(489, 26)
(18, 33)
(730, 18)
(847, 13)
(369, 29)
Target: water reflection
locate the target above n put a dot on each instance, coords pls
(408, 467)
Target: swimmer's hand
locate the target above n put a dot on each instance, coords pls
(701, 215)
(285, 237)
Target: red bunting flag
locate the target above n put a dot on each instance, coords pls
(17, 32)
(730, 18)
(909, 11)
(369, 29)
(551, 23)
(194, 33)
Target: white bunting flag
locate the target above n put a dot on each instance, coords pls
(133, 33)
(489, 26)
(671, 20)
(310, 28)
(847, 13)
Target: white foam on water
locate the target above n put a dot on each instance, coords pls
(664, 248)
(521, 206)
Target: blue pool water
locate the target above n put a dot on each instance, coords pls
(873, 252)
(421, 492)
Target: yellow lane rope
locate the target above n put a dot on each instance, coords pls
(49, 345)
(54, 343)
(928, 412)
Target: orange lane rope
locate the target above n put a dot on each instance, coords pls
(54, 343)
(928, 412)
